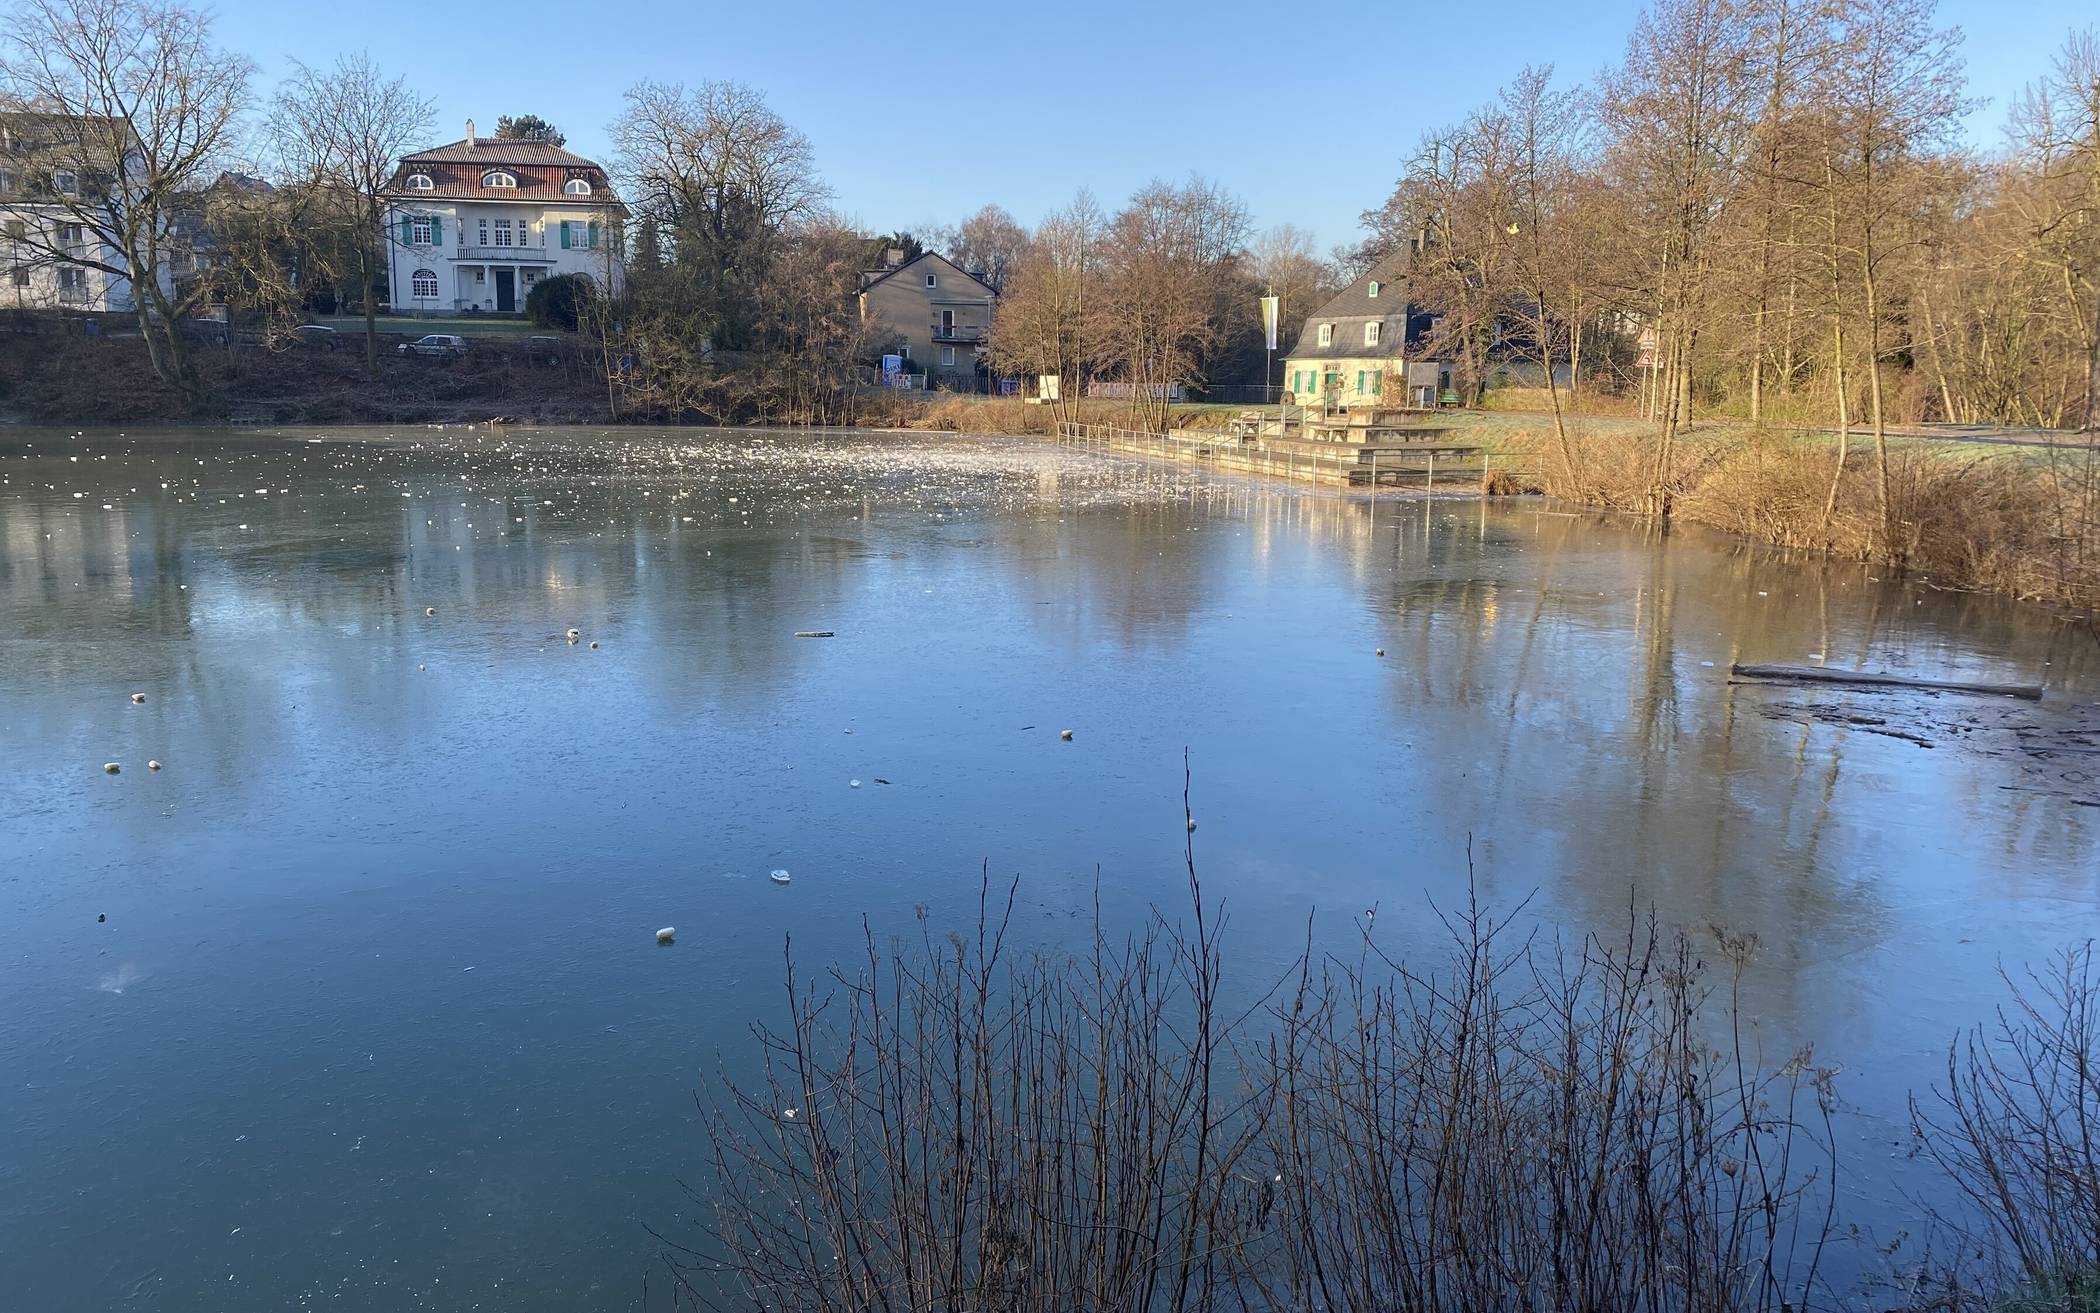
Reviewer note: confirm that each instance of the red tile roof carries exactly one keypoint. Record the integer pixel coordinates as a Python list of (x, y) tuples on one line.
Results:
[(455, 172)]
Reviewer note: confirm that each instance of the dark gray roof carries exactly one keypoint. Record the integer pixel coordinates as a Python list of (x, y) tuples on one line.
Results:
[(1354, 306)]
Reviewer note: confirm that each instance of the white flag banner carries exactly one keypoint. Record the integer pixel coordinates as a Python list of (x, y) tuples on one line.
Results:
[(1269, 308)]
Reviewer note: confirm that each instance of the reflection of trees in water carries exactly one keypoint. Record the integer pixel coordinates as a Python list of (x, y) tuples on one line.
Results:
[(1548, 669)]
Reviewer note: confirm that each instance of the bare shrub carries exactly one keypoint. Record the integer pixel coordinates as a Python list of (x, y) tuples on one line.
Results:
[(1542, 1126), (954, 1124), (2017, 1132)]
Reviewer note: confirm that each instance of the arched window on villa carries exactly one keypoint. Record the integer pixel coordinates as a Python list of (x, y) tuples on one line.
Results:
[(420, 182), (424, 284), (498, 178), (576, 187)]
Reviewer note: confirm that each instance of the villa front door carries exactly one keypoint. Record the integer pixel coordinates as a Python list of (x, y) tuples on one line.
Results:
[(506, 291)]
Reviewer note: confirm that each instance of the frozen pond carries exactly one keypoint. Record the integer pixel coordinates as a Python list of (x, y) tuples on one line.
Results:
[(377, 1018)]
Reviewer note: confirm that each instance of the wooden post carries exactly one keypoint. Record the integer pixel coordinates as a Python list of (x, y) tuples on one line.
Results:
[(1432, 472)]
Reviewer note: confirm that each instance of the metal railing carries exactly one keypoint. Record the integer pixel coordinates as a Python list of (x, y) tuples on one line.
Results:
[(958, 333), (1346, 465)]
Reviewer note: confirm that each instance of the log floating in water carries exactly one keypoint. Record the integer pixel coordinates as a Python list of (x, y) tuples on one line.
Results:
[(1864, 679)]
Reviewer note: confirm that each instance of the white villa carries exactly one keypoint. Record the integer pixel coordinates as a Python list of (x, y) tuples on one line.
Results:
[(472, 226)]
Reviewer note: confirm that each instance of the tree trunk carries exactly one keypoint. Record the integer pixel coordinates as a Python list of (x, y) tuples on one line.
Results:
[(1770, 186), (1837, 476), (365, 276), (2092, 371), (1939, 361), (1874, 404), (1757, 361), (165, 349)]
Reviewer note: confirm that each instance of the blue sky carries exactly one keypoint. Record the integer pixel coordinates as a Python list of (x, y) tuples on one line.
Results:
[(926, 120)]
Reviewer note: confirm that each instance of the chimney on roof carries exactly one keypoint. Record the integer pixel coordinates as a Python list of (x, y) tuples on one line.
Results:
[(470, 132)]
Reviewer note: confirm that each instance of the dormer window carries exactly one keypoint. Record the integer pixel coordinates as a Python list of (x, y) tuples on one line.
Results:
[(1374, 289), (576, 187), (420, 182), (498, 178), (65, 184), (1327, 335), (1371, 333)]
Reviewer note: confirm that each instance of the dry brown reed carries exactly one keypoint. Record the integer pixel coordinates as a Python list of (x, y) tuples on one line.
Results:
[(2022, 521)]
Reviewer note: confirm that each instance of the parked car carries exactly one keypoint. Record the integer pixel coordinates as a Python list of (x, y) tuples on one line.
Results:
[(318, 335), (546, 349), (435, 344)]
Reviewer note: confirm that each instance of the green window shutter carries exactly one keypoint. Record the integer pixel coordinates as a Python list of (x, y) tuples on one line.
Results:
[(594, 234), (408, 230), (565, 234), (437, 231)]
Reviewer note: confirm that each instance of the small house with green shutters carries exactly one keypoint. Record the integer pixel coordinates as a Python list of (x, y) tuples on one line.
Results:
[(472, 226), (1367, 347)]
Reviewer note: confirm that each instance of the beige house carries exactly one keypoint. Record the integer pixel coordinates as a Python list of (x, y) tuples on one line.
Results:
[(930, 311), (1366, 348)]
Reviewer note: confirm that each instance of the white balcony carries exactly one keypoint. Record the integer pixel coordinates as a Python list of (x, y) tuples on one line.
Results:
[(505, 254)]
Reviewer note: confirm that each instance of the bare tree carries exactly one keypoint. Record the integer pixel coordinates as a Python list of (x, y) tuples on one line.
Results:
[(341, 132), (1678, 111), (720, 176), (2056, 129), (1285, 265), (1544, 130), (262, 247), (810, 336), (989, 244), (1451, 206), (1163, 261), (1044, 325), (117, 112), (1894, 99)]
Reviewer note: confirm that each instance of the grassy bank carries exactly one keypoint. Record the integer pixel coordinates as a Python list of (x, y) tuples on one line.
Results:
[(2017, 520)]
